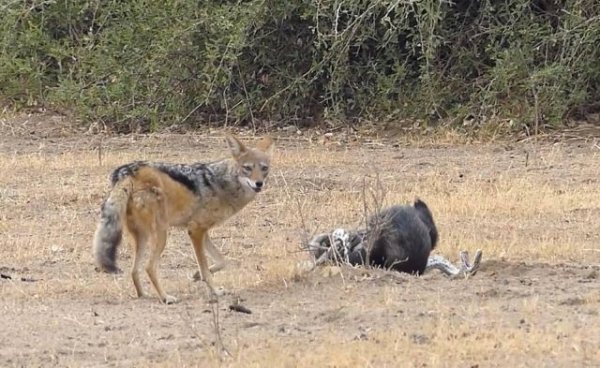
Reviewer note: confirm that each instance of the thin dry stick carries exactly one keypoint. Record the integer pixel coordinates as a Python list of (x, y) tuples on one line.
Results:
[(248, 101), (338, 260), (305, 237), (188, 323), (219, 343), (285, 184), (377, 197), (351, 29), (365, 217), (226, 108), (537, 112), (100, 150), (210, 89)]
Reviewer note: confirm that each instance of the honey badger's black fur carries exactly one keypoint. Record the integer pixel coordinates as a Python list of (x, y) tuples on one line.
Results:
[(402, 237), (399, 238)]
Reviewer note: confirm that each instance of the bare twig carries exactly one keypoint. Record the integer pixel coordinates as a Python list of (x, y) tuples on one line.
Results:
[(373, 227), (536, 111), (248, 100), (305, 237), (210, 89), (100, 144), (219, 343), (238, 307), (189, 323), (366, 218)]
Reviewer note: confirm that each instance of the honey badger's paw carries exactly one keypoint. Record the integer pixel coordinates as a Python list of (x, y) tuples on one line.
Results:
[(470, 269), (465, 270)]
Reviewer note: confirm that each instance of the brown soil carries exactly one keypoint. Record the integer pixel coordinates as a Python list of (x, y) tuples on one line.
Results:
[(532, 207)]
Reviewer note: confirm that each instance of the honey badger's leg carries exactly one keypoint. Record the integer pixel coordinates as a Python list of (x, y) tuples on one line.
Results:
[(437, 262), (440, 263), (471, 269), (340, 246), (320, 247)]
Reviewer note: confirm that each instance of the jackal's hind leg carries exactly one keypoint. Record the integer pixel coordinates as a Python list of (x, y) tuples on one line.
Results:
[(160, 240), (139, 245)]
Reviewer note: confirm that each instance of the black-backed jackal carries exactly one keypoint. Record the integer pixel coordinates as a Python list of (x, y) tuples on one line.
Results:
[(149, 198)]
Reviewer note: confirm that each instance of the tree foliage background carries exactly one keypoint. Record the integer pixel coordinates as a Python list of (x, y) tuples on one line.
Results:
[(153, 63)]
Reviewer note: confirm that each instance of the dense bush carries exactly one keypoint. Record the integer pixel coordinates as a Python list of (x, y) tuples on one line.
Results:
[(151, 63)]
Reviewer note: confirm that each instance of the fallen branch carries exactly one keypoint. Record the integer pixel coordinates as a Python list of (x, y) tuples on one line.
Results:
[(237, 307)]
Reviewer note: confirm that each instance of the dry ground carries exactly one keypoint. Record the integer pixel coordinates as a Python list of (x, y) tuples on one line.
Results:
[(533, 208)]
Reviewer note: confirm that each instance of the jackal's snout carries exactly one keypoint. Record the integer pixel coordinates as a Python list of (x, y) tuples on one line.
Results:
[(256, 186)]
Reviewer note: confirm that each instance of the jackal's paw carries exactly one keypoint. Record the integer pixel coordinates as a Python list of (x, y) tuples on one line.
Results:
[(197, 276), (217, 267), (108, 269), (220, 291), (214, 294), (212, 297), (168, 299)]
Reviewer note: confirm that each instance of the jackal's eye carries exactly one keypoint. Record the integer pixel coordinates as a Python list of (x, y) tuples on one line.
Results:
[(264, 168), (247, 168)]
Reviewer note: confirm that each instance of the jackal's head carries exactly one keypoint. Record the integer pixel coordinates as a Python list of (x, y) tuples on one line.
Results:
[(252, 163)]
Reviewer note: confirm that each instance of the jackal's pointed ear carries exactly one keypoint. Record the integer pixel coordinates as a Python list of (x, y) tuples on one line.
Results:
[(235, 146), (266, 145)]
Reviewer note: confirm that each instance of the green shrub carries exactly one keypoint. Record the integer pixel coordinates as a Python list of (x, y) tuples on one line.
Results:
[(149, 63)]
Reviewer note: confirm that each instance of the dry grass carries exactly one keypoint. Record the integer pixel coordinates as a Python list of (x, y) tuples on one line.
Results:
[(532, 208)]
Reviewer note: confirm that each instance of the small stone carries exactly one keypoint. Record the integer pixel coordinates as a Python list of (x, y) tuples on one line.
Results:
[(592, 275)]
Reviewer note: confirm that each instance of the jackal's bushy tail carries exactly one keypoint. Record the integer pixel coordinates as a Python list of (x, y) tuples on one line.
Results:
[(110, 229)]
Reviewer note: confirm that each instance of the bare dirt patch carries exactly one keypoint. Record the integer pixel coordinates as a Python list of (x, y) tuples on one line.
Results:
[(532, 208)]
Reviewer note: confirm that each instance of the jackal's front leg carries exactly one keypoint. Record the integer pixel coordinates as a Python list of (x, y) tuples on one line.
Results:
[(198, 236), (219, 261), (214, 253)]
